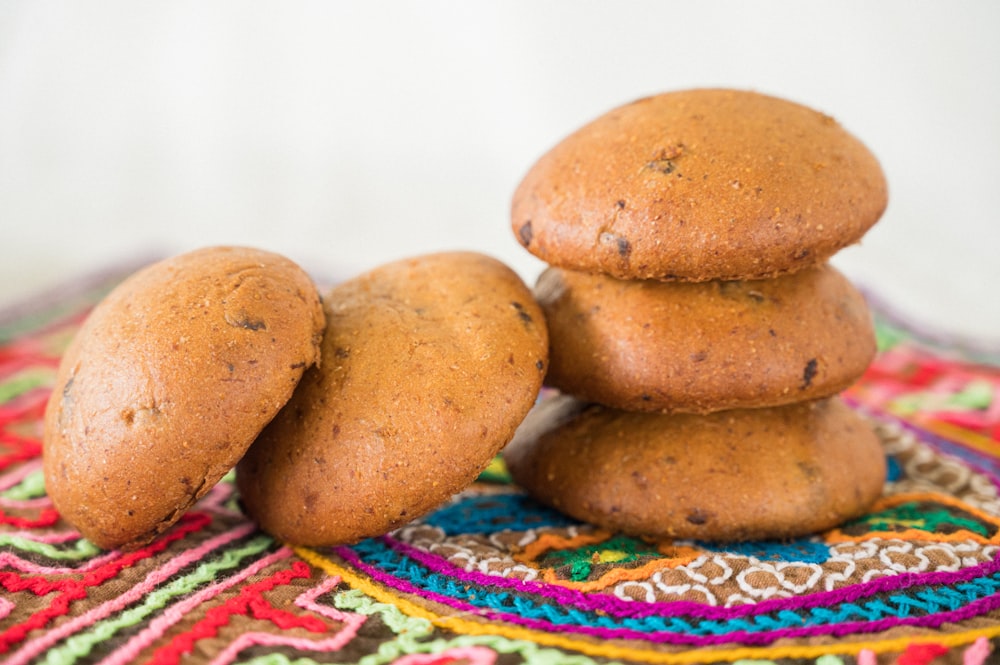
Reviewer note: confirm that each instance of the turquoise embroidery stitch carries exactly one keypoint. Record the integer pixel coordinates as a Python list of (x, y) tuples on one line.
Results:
[(805, 550), (919, 602), (495, 512), (894, 471)]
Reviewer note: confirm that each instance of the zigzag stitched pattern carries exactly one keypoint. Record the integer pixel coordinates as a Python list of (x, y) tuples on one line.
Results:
[(491, 576)]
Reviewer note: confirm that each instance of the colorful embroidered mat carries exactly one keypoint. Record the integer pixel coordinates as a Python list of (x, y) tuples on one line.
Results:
[(492, 577)]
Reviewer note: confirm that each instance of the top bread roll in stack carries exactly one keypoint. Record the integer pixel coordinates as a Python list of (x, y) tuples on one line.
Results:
[(699, 338)]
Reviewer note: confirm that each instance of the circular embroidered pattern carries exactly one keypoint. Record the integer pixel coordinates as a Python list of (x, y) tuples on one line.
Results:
[(492, 578), (925, 557)]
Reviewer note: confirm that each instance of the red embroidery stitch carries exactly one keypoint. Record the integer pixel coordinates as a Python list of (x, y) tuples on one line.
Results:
[(250, 601), (921, 654), (75, 589)]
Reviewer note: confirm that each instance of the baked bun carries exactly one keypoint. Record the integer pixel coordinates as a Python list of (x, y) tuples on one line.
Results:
[(167, 383), (429, 365), (699, 185), (707, 346), (747, 474)]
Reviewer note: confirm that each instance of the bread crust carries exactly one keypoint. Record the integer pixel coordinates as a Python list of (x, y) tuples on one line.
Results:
[(167, 383), (700, 185), (429, 365), (748, 474), (707, 346)]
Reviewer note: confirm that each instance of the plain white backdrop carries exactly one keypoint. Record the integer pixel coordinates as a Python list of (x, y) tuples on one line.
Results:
[(345, 135)]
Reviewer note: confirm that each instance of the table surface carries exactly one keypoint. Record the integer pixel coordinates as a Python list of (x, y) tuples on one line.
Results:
[(492, 577)]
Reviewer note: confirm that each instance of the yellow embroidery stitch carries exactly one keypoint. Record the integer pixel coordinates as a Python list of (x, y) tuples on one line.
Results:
[(607, 650)]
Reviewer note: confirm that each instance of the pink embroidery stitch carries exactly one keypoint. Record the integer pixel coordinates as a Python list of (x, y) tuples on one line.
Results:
[(471, 655), (171, 615), (977, 653), (31, 649), (867, 657), (5, 608)]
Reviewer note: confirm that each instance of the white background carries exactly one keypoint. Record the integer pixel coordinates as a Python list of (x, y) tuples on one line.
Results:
[(345, 135)]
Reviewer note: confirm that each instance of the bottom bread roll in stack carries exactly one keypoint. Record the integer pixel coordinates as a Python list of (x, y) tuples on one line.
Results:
[(741, 474), (699, 338)]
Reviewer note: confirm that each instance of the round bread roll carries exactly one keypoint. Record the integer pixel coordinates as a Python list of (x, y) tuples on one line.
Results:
[(429, 365), (698, 185), (708, 346), (748, 474), (167, 383)]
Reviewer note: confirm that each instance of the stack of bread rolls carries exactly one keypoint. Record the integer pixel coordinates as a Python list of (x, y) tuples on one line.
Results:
[(699, 338)]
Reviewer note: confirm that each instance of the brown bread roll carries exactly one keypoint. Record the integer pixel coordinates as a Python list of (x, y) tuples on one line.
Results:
[(746, 474), (429, 365), (698, 185), (707, 346), (168, 382)]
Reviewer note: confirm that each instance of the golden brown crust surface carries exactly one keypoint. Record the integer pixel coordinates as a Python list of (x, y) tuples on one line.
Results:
[(737, 475), (429, 365), (697, 185), (168, 382), (707, 346)]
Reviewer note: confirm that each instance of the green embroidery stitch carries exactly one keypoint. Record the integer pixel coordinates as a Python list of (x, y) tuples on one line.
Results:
[(31, 487), (278, 659), (35, 320), (975, 395), (581, 560), (531, 653), (81, 549), (829, 660), (914, 515), (412, 632), (409, 630), (496, 472), (25, 381), (81, 644), (887, 336)]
